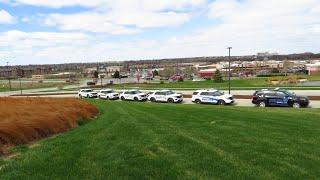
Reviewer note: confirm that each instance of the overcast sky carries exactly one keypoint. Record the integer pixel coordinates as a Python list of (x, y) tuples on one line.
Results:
[(63, 31)]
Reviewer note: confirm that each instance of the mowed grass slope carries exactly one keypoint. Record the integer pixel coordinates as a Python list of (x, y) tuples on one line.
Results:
[(160, 141)]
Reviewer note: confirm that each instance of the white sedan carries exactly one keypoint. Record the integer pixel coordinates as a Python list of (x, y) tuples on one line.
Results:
[(165, 96), (108, 94), (212, 96), (134, 95), (88, 93)]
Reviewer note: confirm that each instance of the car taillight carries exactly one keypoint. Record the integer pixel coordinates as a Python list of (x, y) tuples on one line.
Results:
[(254, 98)]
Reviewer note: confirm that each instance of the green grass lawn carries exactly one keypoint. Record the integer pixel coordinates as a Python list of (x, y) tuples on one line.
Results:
[(160, 141), (252, 83)]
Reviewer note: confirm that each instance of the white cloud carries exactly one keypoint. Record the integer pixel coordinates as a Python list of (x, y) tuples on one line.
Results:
[(221, 8), (92, 22), (6, 18), (57, 3), (147, 4), (118, 16), (250, 26), (285, 26)]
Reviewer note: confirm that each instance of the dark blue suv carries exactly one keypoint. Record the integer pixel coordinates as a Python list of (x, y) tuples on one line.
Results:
[(279, 97)]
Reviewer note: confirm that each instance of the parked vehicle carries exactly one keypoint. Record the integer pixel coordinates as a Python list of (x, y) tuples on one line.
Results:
[(279, 97), (212, 96), (91, 83), (165, 96), (88, 93), (162, 78), (135, 95), (108, 94), (176, 77)]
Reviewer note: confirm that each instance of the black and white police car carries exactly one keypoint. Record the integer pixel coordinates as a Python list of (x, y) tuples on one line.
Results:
[(278, 97), (165, 96), (212, 96), (134, 95), (108, 94), (88, 93)]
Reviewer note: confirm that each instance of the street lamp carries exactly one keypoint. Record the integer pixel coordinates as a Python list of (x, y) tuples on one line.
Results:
[(9, 75), (229, 48)]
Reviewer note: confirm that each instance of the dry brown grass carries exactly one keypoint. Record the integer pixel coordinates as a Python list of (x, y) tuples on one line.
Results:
[(27, 119)]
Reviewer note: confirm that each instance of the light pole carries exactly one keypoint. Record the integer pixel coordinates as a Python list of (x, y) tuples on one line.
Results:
[(9, 75), (20, 86), (229, 48)]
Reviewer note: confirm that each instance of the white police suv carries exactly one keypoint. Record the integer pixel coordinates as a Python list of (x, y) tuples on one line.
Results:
[(165, 96), (212, 96), (89, 93), (133, 94), (108, 94)]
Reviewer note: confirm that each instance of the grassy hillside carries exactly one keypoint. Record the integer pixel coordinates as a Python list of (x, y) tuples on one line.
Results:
[(143, 140)]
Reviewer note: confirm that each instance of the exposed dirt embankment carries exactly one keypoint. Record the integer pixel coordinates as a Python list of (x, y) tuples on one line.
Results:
[(27, 119)]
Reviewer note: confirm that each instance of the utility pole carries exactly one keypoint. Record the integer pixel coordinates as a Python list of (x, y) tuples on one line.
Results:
[(20, 86), (229, 48), (9, 76)]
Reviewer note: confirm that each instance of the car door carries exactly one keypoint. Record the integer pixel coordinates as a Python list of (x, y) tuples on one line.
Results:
[(157, 96), (272, 99), (205, 97), (215, 97), (127, 95), (282, 99)]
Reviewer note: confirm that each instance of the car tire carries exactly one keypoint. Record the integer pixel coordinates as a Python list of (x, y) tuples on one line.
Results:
[(135, 99), (152, 99), (107, 98), (262, 104), (87, 95), (197, 101), (170, 100), (296, 105), (122, 98), (221, 102)]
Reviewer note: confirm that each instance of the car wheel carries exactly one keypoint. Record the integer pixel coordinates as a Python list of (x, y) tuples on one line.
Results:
[(197, 101), (221, 102), (262, 104), (136, 99), (170, 100), (87, 95), (152, 99), (107, 97), (122, 98), (296, 105)]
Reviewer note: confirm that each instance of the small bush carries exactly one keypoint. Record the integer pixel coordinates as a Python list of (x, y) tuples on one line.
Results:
[(217, 78), (161, 82)]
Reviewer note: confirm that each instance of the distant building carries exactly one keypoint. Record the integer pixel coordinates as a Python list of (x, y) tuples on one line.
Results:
[(112, 69), (313, 68)]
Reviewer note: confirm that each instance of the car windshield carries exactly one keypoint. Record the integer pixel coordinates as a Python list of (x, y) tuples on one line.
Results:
[(107, 92), (136, 92), (218, 93), (89, 90), (169, 92), (288, 93)]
